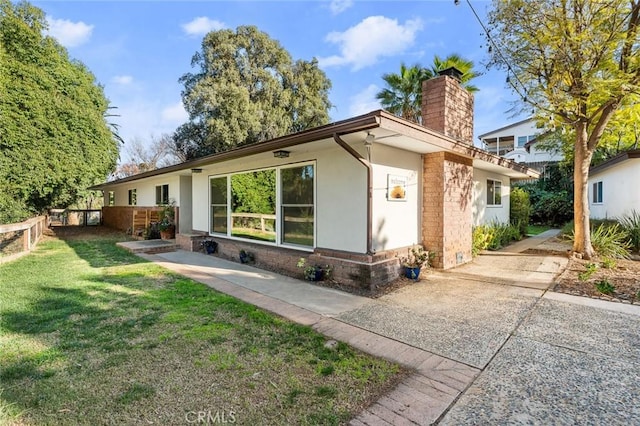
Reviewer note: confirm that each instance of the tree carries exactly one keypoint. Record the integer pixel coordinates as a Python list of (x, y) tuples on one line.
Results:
[(577, 63), (403, 94), (463, 65), (54, 141), (160, 152), (248, 90)]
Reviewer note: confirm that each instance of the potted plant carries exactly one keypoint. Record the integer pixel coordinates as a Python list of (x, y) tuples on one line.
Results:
[(246, 257), (209, 246), (313, 272), (414, 261), (167, 226)]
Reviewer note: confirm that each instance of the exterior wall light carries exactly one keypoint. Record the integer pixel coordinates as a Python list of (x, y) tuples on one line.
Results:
[(196, 170), (281, 154)]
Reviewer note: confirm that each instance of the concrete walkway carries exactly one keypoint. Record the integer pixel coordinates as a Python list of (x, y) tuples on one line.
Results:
[(488, 344)]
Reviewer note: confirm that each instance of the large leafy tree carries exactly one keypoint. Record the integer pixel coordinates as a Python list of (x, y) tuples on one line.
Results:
[(247, 89), (402, 95), (577, 63), (54, 140)]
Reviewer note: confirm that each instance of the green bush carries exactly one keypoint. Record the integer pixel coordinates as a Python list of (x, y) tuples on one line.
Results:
[(605, 287), (520, 209), (608, 239), (631, 225), (493, 236), (551, 196)]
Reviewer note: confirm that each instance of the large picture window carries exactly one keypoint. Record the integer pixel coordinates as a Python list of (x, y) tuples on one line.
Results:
[(219, 205), (494, 192), (253, 205), (297, 205), (271, 205)]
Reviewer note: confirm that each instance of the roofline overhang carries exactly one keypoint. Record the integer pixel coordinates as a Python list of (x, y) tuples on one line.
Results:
[(624, 156), (508, 126), (374, 119), (355, 124)]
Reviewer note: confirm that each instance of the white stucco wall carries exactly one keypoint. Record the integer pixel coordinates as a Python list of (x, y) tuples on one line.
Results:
[(482, 213), (396, 223), (341, 194), (145, 191), (620, 192)]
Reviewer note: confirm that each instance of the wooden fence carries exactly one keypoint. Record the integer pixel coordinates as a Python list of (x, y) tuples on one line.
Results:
[(18, 239)]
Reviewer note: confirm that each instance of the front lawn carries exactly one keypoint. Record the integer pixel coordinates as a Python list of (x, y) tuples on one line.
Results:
[(90, 334)]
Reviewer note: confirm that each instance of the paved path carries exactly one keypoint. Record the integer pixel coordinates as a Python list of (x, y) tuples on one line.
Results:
[(485, 349)]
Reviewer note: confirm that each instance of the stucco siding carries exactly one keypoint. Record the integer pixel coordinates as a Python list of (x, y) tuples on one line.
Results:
[(396, 223), (620, 193), (340, 199), (145, 191), (483, 213)]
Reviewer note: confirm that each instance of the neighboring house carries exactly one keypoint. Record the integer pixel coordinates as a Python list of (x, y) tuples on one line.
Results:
[(613, 186), (354, 194), (518, 142)]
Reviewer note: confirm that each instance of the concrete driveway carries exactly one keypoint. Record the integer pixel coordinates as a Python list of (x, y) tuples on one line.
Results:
[(508, 351)]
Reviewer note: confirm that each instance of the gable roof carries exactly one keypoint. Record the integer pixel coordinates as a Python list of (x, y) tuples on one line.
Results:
[(624, 156), (387, 128), (484, 135)]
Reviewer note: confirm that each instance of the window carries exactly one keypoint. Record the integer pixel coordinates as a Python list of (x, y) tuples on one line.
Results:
[(522, 140), (133, 199), (219, 205), (272, 205), (253, 205), (597, 193), (112, 198), (162, 194), (297, 216), (494, 192)]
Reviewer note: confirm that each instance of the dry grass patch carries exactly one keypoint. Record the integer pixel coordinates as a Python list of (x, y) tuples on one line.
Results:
[(90, 334)]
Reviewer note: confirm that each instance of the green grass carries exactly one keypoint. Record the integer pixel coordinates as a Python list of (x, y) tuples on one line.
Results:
[(90, 334), (537, 229)]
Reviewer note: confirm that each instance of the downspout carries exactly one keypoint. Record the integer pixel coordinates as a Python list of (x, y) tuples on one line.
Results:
[(355, 154)]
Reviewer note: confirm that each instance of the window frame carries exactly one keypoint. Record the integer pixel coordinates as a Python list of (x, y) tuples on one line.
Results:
[(278, 207), (111, 198), (160, 201), (133, 197), (597, 190), (492, 183)]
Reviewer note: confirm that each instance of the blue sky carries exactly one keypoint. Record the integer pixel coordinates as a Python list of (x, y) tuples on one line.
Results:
[(139, 49)]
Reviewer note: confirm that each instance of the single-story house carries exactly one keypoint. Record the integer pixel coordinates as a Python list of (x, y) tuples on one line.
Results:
[(354, 194), (612, 186)]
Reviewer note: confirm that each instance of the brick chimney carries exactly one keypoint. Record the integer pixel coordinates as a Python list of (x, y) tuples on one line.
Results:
[(447, 107)]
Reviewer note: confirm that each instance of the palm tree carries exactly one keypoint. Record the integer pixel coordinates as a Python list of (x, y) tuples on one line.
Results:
[(463, 65), (403, 95)]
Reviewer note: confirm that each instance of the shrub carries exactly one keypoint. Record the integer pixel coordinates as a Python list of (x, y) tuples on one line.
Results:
[(493, 237), (631, 225), (605, 287), (520, 209), (608, 239), (590, 268)]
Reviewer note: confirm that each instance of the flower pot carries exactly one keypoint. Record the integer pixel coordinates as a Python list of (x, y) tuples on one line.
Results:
[(210, 249), (412, 273)]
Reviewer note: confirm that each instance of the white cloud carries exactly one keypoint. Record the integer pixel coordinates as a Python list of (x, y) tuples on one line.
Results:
[(375, 37), (339, 6), (69, 34), (175, 113), (202, 25), (123, 80), (364, 101)]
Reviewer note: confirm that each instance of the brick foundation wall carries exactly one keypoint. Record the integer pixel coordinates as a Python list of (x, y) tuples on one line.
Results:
[(447, 107), (447, 208), (361, 271)]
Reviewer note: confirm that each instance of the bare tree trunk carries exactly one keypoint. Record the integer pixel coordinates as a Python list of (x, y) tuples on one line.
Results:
[(582, 161)]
